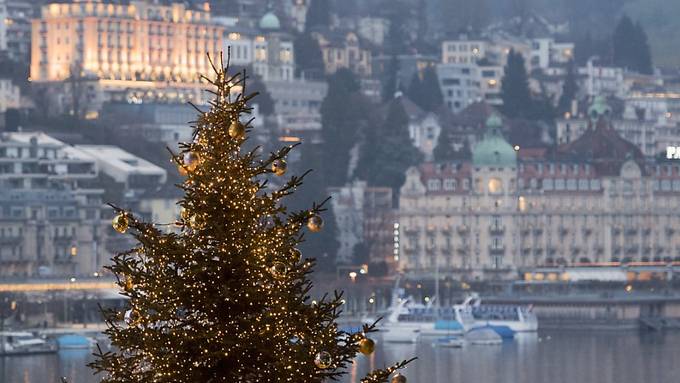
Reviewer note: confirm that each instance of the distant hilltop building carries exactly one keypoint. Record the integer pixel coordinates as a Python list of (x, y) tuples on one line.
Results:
[(595, 199), (135, 51)]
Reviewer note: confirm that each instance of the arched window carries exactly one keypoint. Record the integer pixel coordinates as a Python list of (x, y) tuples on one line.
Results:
[(495, 186)]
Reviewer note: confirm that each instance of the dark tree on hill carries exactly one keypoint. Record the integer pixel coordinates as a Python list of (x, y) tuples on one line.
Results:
[(432, 94), (264, 101), (424, 90), (569, 88), (318, 14), (324, 244), (344, 112), (444, 150), (390, 81), (630, 47), (397, 39), (389, 152), (515, 87), (308, 56)]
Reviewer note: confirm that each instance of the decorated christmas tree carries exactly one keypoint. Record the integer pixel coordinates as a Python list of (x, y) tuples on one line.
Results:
[(226, 296)]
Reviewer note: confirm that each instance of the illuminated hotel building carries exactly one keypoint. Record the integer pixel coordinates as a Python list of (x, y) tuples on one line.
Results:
[(138, 51), (597, 199)]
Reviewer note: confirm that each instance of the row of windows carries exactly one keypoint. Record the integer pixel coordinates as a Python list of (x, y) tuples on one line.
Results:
[(551, 168), (447, 184)]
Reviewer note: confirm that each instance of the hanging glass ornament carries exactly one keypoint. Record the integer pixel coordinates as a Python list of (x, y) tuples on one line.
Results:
[(279, 167), (323, 359), (197, 222), (237, 130), (191, 161), (315, 223), (279, 269), (366, 346), (120, 223), (184, 214), (131, 316), (398, 378), (128, 284)]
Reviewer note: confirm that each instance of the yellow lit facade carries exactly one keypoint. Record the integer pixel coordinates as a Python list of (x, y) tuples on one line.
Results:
[(157, 50)]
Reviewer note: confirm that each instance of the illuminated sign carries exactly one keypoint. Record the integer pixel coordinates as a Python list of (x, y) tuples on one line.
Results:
[(673, 152)]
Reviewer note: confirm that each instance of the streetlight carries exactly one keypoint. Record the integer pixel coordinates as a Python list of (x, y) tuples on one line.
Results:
[(353, 276)]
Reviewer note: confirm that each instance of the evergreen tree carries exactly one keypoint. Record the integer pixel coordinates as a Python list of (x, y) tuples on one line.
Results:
[(389, 152), (225, 298), (415, 88), (432, 97), (630, 47), (390, 79), (397, 39), (444, 150), (308, 56), (323, 244), (343, 113), (569, 88), (318, 15), (515, 87), (644, 54)]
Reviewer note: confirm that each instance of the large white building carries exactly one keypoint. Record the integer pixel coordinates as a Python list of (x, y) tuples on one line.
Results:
[(139, 51), (596, 199), (460, 85)]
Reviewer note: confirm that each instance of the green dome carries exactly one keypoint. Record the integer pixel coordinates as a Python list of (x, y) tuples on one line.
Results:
[(270, 21), (599, 108), (493, 150)]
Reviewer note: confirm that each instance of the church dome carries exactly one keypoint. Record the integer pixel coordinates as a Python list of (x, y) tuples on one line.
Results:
[(494, 150), (270, 22)]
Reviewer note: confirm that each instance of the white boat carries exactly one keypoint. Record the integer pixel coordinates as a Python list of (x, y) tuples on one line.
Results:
[(483, 337), (19, 343), (517, 318), (406, 321), (449, 342)]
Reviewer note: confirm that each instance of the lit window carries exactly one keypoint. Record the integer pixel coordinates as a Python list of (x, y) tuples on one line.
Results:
[(495, 186)]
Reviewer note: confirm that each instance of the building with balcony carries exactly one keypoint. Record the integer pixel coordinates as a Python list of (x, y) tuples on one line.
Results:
[(137, 51), (17, 28), (596, 199), (10, 95), (50, 208)]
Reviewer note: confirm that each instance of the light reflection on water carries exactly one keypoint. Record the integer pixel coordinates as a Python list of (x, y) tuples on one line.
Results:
[(551, 357)]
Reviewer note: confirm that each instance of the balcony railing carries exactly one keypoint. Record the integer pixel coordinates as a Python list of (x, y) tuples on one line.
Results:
[(497, 229)]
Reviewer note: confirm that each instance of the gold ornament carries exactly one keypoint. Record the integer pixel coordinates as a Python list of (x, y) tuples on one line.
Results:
[(128, 284), (197, 222), (279, 167), (366, 346), (315, 223), (237, 130), (323, 359), (398, 378), (279, 269), (191, 161), (295, 255), (120, 223)]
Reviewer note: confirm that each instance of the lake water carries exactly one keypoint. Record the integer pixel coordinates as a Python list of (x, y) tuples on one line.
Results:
[(549, 357)]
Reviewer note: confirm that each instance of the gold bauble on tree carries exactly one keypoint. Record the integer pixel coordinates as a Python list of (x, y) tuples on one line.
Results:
[(120, 223), (315, 223), (398, 378), (323, 359), (279, 270), (131, 316), (366, 346), (184, 214), (237, 130), (128, 284), (197, 222), (191, 161), (279, 167)]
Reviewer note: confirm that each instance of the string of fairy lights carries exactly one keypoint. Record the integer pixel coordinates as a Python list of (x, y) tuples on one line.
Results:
[(226, 296)]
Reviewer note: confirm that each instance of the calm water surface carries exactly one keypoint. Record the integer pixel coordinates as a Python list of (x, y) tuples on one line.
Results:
[(550, 357)]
